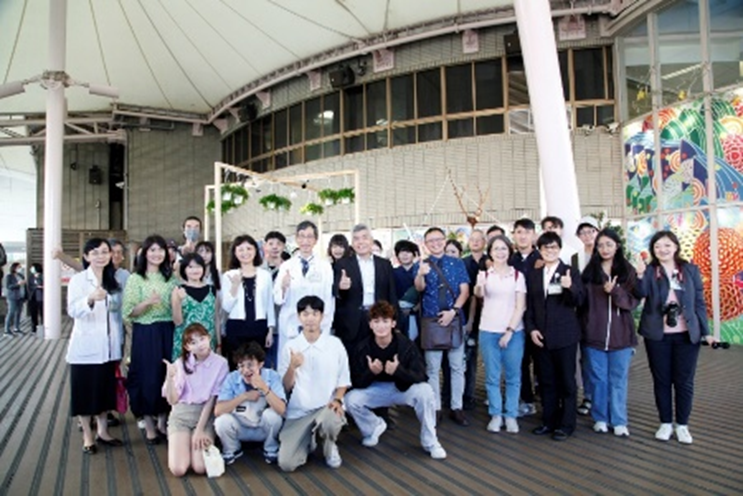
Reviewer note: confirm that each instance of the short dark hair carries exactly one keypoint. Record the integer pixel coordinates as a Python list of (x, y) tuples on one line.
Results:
[(245, 238), (249, 350), (432, 230), (500, 237), (311, 301), (456, 244), (275, 235), (555, 221), (549, 237), (307, 224), (379, 244), (494, 228), (186, 260), (524, 223), (405, 245), (116, 242), (192, 217), (382, 310)]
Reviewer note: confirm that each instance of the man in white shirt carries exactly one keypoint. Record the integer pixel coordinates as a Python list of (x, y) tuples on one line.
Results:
[(302, 275), (315, 372)]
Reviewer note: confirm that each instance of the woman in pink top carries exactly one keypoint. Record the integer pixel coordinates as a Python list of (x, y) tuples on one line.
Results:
[(503, 290), (191, 386)]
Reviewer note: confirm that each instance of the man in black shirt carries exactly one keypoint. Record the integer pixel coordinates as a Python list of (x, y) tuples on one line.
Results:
[(388, 370)]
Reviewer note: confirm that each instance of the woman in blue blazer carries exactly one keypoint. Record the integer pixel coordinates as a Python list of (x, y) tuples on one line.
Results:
[(673, 323)]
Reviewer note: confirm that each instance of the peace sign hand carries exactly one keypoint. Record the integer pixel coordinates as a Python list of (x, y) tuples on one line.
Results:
[(609, 285)]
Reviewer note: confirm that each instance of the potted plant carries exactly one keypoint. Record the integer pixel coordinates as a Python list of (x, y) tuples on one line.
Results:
[(328, 196), (312, 209), (346, 195), (275, 202), (233, 195)]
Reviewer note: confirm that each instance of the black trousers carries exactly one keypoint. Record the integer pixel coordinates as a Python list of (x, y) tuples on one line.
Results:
[(673, 362), (527, 388), (556, 374), (35, 309)]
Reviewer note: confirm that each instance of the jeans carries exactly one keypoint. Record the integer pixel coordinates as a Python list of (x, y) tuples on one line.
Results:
[(456, 369), (673, 362), (585, 373), (360, 403), (609, 372), (231, 430), (13, 319), (508, 360)]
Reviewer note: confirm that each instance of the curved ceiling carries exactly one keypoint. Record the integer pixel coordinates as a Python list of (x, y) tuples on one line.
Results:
[(190, 55)]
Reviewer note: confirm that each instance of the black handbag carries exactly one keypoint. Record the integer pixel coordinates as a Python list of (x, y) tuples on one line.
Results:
[(434, 336)]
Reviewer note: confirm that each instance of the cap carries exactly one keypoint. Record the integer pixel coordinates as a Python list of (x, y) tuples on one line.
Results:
[(587, 221), (172, 243)]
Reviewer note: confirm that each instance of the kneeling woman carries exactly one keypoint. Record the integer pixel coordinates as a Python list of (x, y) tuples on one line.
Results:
[(191, 386), (95, 344)]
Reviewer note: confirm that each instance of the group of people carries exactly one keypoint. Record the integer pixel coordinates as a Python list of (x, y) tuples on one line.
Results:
[(19, 290), (280, 349)]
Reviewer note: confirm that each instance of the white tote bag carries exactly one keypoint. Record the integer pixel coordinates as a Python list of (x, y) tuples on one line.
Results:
[(213, 462)]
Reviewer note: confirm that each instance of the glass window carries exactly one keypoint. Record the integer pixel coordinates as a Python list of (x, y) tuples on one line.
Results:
[(376, 104), (428, 87), (726, 25), (225, 147), (403, 136), (331, 116), (565, 74), (354, 144), (609, 73), (282, 160), (313, 119), (518, 92), (280, 129), (295, 156), (637, 61), (489, 84), (331, 148), (588, 67), (584, 116), (267, 133), (605, 115), (459, 89), (312, 152), (681, 17), (255, 139), (376, 139), (244, 138), (491, 124), (295, 124), (460, 128), (238, 149), (429, 132), (353, 99), (401, 89)]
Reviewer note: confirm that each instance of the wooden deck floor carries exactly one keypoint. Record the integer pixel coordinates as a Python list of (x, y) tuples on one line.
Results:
[(40, 447)]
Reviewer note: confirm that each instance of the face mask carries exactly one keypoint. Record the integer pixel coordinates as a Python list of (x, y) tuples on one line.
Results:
[(192, 235), (33, 271)]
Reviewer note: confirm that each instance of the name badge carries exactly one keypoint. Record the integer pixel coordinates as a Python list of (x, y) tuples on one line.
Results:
[(554, 289), (313, 277)]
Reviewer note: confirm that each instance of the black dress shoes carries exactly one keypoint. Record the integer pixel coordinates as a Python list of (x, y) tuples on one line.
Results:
[(113, 442), (459, 418), (541, 430), (560, 435)]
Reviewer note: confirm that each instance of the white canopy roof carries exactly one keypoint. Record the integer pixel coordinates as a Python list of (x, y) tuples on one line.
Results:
[(193, 55)]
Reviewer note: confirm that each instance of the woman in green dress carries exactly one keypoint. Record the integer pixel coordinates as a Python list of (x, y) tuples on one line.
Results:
[(194, 301)]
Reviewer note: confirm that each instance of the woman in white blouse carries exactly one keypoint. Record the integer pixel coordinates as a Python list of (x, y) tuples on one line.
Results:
[(93, 299), (247, 297)]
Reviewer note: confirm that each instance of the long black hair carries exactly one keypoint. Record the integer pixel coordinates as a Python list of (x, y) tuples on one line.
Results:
[(680, 261), (166, 269), (108, 281), (211, 266), (620, 266)]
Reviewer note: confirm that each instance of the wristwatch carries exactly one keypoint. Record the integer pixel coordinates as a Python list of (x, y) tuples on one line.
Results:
[(339, 400)]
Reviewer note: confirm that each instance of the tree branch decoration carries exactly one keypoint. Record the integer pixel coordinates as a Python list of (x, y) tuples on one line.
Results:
[(312, 209), (472, 218), (233, 196), (275, 202)]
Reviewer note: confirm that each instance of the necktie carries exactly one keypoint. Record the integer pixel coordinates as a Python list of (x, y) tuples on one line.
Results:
[(305, 266)]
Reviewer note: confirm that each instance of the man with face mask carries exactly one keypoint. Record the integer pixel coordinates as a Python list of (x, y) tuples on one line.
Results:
[(191, 233)]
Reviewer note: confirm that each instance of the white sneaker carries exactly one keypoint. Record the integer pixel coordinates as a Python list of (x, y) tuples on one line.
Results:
[(495, 423), (334, 458), (373, 439), (437, 451), (621, 431), (512, 425), (683, 435), (141, 424), (600, 427), (665, 432)]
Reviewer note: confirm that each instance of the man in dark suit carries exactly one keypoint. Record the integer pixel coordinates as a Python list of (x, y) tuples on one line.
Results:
[(360, 280), (554, 291)]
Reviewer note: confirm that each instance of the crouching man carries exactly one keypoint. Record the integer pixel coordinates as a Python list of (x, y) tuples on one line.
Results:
[(314, 367), (388, 370), (250, 405)]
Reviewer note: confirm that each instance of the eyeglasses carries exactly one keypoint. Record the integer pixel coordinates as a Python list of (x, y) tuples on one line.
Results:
[(435, 240)]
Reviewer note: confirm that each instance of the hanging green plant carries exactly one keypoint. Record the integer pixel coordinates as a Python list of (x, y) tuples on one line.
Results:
[(275, 202), (328, 196), (312, 209), (233, 196), (345, 195)]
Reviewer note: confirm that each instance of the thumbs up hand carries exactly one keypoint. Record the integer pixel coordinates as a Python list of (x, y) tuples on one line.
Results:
[(345, 281), (286, 281), (566, 281)]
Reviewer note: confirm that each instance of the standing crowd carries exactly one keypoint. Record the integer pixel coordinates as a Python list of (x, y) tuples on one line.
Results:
[(281, 349)]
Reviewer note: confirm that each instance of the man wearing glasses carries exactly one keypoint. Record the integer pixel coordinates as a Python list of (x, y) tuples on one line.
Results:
[(250, 405), (443, 299)]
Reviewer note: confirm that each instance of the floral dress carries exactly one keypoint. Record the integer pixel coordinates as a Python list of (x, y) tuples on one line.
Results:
[(198, 306)]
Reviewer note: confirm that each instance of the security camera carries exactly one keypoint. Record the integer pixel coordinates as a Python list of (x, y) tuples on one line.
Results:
[(613, 127)]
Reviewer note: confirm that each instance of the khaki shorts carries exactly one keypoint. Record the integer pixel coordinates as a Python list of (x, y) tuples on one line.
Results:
[(184, 418)]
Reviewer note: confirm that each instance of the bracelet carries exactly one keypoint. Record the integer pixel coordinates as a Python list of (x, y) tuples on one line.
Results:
[(509, 329), (339, 400), (268, 391)]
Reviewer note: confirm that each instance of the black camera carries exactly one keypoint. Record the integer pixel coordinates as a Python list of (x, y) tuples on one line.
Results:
[(672, 311)]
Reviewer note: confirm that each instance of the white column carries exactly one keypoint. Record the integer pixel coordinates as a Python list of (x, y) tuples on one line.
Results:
[(55, 114), (218, 214), (536, 34)]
